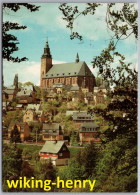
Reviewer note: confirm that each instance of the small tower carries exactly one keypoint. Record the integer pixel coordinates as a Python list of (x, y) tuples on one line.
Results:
[(77, 58), (15, 83), (46, 63)]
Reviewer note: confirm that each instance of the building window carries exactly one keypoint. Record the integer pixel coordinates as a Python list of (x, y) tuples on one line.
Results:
[(46, 136), (60, 154), (64, 149)]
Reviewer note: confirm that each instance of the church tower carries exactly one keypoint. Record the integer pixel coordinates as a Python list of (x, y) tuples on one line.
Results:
[(46, 62)]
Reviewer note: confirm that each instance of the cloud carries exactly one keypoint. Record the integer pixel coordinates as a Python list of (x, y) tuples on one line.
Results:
[(27, 71)]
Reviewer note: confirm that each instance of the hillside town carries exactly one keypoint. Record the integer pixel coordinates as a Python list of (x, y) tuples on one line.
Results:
[(55, 114)]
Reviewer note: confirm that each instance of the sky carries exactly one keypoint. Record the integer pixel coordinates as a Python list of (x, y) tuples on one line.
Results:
[(48, 22)]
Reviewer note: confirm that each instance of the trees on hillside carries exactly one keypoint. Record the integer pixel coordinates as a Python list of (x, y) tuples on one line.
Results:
[(116, 169)]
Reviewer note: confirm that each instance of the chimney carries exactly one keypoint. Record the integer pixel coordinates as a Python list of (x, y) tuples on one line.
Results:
[(55, 141)]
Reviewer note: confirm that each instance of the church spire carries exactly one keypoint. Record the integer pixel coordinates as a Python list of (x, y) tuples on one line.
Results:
[(47, 52), (77, 58)]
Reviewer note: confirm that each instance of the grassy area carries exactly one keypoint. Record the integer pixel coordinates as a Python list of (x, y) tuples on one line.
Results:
[(31, 148), (73, 151)]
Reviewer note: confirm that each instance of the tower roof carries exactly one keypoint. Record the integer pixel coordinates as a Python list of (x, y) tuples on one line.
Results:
[(47, 52), (77, 58)]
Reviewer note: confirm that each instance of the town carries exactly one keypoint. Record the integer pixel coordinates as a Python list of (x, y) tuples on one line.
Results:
[(54, 114)]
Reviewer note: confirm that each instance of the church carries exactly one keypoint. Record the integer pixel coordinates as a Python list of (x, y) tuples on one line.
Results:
[(75, 74)]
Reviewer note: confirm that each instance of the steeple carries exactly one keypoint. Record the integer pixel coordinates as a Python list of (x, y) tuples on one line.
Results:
[(47, 50), (77, 58)]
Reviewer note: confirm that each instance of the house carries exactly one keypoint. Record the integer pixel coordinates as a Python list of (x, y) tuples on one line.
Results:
[(99, 98), (74, 73), (89, 132), (81, 117), (56, 151), (58, 87), (19, 107), (23, 129), (9, 93), (52, 132), (89, 98), (27, 95), (5, 106), (4, 95), (100, 94), (34, 107), (31, 115)]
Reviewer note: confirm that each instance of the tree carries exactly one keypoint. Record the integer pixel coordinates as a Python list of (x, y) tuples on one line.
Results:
[(10, 41), (15, 135), (28, 83), (11, 164), (116, 169), (16, 81), (98, 81), (51, 106), (87, 157)]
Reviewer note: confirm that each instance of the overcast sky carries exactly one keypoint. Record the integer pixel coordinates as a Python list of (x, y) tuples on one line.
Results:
[(48, 22)]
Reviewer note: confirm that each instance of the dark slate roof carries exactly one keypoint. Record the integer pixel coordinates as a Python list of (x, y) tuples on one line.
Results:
[(82, 116), (69, 69), (89, 127), (21, 124), (52, 129), (51, 126), (52, 146)]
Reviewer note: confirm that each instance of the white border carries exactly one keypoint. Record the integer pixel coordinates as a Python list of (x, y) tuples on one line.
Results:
[(66, 1)]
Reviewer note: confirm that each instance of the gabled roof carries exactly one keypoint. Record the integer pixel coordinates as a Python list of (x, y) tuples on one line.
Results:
[(11, 87), (52, 126), (74, 87), (19, 106), (34, 106), (24, 93), (69, 69), (89, 126), (21, 124), (52, 146), (84, 115), (9, 91)]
